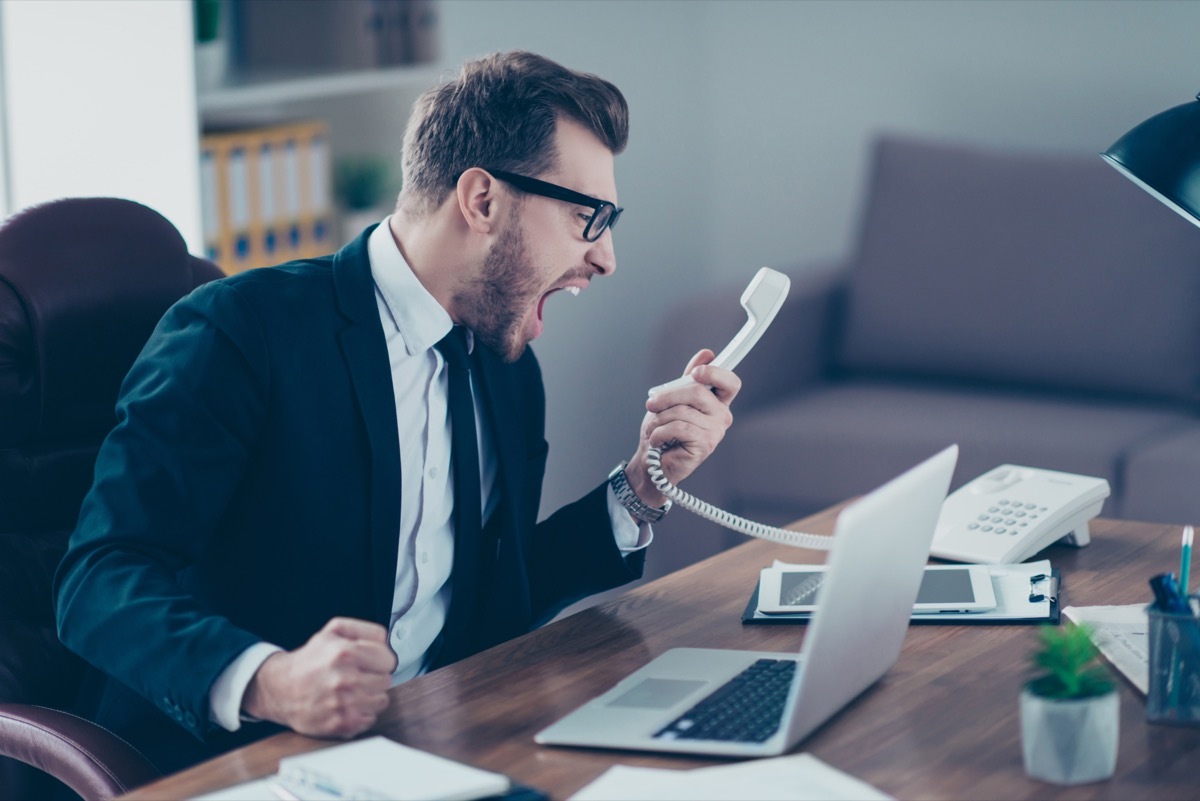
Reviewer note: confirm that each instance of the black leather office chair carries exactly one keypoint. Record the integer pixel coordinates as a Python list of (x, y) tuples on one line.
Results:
[(83, 281)]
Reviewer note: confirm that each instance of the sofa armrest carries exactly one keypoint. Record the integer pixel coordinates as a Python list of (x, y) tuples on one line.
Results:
[(795, 351)]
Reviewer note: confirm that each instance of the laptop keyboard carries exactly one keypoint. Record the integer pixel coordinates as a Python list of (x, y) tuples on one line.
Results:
[(748, 708)]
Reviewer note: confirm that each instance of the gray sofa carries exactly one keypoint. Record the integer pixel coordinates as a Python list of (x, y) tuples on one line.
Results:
[(1037, 309)]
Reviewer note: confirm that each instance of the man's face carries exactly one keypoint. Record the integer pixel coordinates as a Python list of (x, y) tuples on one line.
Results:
[(540, 250)]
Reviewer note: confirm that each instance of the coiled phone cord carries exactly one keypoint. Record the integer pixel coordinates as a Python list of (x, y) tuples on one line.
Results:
[(797, 539)]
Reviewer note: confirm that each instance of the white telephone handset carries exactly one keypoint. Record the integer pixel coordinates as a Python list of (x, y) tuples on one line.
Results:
[(762, 300), (1010, 513)]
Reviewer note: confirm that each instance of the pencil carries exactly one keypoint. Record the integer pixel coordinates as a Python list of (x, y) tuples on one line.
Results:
[(1185, 562)]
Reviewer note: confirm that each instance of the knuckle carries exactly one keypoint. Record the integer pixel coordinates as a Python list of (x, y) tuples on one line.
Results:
[(342, 686)]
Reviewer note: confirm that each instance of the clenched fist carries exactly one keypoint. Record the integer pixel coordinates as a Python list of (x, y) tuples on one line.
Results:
[(335, 685)]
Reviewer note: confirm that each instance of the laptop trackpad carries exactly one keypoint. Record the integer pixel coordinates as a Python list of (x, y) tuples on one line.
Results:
[(658, 693)]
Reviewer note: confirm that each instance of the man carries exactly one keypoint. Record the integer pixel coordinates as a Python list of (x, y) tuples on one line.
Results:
[(273, 537)]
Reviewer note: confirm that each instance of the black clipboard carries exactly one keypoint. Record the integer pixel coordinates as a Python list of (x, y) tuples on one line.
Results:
[(751, 617)]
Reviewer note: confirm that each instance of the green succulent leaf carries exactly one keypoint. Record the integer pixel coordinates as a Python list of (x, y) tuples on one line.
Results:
[(1069, 664)]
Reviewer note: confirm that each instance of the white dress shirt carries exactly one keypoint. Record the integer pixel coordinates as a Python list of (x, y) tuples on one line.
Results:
[(413, 322)]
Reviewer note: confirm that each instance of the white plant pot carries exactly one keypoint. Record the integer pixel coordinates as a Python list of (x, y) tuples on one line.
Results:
[(212, 64), (1071, 741), (353, 222)]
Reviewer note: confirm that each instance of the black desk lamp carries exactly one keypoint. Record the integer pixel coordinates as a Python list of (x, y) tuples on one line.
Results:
[(1162, 156)]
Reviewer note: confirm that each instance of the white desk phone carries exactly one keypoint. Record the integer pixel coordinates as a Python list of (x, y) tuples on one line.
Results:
[(1004, 516)]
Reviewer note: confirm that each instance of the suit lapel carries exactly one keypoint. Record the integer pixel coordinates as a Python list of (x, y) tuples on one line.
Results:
[(365, 351)]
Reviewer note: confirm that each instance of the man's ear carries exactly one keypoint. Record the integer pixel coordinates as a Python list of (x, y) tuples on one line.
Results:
[(479, 200)]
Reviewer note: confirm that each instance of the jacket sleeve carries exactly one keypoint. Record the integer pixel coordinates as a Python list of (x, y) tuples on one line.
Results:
[(575, 555), (186, 421)]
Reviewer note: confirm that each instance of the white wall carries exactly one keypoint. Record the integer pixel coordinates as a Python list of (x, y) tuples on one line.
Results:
[(98, 101), (750, 129)]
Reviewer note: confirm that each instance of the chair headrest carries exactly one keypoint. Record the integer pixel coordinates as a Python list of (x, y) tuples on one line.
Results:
[(83, 282)]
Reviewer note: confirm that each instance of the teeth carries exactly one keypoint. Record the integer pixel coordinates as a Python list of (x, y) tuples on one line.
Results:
[(574, 290)]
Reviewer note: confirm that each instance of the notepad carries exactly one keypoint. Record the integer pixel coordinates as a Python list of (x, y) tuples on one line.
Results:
[(374, 769), (379, 768)]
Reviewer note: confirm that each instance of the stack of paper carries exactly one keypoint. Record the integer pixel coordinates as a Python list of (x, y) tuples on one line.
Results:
[(374, 769), (799, 777), (1122, 635)]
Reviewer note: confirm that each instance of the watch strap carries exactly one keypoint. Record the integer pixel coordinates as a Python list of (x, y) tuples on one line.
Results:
[(630, 500)]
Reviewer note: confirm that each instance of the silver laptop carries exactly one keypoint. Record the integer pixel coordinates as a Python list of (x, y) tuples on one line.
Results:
[(693, 700)]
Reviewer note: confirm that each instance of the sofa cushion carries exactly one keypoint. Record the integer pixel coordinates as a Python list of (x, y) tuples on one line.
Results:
[(1042, 270), (1162, 478), (810, 451)]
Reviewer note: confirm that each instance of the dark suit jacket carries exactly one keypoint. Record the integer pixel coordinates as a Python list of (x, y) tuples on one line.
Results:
[(250, 491)]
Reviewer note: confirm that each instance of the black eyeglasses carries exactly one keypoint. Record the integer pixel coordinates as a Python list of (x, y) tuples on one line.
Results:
[(604, 216)]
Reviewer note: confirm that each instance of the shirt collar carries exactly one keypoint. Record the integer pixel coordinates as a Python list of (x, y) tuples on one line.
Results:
[(419, 318)]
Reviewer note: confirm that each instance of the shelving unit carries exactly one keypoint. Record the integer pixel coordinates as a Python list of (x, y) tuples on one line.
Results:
[(255, 93), (365, 112), (140, 113)]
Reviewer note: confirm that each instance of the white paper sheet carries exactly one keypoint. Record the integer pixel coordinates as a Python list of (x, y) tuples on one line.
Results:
[(373, 768), (799, 777), (257, 790), (1121, 634)]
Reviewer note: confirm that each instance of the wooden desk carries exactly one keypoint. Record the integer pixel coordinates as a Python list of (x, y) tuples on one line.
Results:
[(942, 724)]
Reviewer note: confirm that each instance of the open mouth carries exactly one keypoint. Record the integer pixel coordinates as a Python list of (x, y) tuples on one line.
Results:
[(573, 290)]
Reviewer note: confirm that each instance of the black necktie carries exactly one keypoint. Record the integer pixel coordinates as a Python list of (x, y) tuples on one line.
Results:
[(468, 515)]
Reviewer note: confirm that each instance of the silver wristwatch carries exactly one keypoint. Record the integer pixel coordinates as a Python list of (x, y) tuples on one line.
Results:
[(630, 500)]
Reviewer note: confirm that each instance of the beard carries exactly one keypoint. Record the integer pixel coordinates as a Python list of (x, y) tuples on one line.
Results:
[(495, 306)]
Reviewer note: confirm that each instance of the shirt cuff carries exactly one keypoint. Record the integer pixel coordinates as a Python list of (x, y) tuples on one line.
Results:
[(225, 697), (630, 536)]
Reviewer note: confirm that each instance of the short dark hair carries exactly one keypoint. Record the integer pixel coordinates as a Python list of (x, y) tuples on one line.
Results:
[(501, 112)]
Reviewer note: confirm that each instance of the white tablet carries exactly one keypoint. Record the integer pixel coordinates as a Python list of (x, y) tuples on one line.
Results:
[(945, 588)]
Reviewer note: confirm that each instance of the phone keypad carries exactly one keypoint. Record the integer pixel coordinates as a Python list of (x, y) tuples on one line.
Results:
[(1002, 518)]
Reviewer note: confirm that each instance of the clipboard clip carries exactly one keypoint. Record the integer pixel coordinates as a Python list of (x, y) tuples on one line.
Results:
[(1036, 594)]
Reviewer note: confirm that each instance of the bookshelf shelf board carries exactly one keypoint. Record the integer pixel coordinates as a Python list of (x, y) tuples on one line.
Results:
[(252, 93)]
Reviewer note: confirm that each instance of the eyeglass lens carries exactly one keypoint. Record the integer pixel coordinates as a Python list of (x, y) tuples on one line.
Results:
[(604, 217), (600, 220)]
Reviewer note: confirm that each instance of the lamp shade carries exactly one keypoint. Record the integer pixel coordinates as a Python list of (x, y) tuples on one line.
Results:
[(1162, 155)]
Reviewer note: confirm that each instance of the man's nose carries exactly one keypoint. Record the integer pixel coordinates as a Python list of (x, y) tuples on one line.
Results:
[(601, 256)]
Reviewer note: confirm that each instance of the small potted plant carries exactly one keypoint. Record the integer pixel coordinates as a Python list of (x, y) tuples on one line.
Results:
[(1070, 718), (361, 184), (211, 53)]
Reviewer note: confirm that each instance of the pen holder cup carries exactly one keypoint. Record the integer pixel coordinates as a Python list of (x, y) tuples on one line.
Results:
[(1174, 691)]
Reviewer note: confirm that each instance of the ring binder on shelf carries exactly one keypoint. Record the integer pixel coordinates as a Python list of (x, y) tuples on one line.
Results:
[(266, 194)]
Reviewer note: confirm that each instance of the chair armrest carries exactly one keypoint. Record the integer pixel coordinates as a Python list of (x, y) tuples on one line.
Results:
[(795, 351), (89, 759)]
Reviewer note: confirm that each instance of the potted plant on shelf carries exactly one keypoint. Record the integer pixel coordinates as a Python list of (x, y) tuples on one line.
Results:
[(212, 57), (361, 184), (1070, 711)]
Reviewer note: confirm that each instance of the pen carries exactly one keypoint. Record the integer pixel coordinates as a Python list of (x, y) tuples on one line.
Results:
[(1166, 594), (1185, 560)]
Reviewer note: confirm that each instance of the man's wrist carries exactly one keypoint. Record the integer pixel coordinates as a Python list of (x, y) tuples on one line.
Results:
[(256, 700), (228, 692), (637, 494)]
